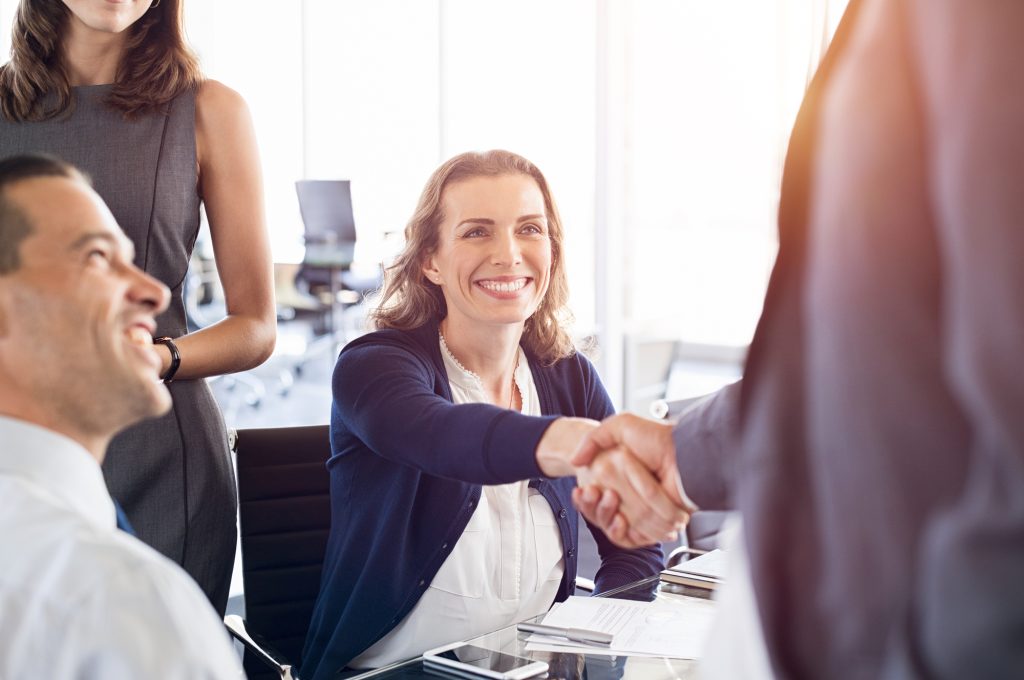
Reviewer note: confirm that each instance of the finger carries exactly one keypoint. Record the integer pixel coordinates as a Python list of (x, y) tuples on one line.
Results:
[(672, 483), (586, 503), (665, 508), (609, 475), (588, 507), (619, 471), (592, 444), (636, 504), (578, 500), (591, 494), (585, 453), (607, 435), (618, 533), (607, 507), (634, 537), (597, 506)]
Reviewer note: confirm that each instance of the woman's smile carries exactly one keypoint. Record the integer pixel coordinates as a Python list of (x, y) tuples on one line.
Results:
[(504, 287)]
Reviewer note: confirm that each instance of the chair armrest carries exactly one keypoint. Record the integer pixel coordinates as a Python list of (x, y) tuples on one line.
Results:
[(264, 652), (681, 554), (585, 584)]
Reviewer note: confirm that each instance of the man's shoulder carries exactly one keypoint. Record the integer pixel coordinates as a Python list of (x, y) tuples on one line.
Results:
[(68, 557), (83, 591), (68, 561)]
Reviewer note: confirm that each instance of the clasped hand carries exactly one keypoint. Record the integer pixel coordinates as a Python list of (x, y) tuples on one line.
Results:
[(628, 480)]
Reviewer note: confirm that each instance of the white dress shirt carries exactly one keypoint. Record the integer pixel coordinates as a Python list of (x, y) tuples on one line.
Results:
[(79, 598), (505, 568), (735, 647)]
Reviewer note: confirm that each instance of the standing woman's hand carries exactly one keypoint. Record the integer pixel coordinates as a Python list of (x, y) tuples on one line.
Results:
[(231, 187)]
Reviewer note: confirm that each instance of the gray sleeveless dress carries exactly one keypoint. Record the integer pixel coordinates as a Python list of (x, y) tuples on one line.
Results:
[(172, 475)]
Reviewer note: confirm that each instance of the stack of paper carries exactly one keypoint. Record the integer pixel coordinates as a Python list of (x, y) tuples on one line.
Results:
[(674, 628), (704, 571)]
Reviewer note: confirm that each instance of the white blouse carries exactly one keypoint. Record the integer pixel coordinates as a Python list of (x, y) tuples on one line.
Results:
[(507, 565)]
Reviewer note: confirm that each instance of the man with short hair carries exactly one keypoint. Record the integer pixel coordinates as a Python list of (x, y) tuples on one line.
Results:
[(78, 598)]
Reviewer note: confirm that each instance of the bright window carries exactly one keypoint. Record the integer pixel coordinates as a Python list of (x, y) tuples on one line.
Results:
[(661, 125)]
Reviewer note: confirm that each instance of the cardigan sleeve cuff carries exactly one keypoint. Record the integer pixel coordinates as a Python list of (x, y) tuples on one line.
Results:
[(510, 449)]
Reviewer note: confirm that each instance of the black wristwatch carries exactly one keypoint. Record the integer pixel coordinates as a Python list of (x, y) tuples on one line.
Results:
[(175, 357)]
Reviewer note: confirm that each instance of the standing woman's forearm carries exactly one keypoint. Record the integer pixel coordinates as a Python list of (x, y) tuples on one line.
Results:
[(231, 187)]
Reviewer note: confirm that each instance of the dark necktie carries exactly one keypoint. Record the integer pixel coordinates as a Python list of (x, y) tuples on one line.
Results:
[(122, 519)]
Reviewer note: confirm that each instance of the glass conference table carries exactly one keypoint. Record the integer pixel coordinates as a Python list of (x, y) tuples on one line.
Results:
[(565, 666)]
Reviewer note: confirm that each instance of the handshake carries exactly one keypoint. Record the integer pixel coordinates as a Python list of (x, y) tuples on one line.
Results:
[(629, 483)]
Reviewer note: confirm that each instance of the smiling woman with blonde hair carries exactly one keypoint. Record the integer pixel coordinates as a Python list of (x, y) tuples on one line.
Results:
[(447, 424), (410, 299)]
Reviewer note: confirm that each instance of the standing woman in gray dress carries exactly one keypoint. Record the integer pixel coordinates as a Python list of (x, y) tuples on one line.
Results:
[(112, 87)]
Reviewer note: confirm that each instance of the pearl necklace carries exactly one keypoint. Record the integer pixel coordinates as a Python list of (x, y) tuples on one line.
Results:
[(455, 360)]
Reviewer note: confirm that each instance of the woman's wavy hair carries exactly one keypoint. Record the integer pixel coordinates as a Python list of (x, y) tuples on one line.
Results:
[(410, 300), (156, 67)]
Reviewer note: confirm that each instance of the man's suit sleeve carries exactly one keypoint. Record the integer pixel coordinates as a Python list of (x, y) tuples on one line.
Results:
[(705, 438), (967, 615)]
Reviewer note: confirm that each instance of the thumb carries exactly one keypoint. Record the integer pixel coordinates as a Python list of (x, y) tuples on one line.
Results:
[(607, 435), (672, 484), (586, 451)]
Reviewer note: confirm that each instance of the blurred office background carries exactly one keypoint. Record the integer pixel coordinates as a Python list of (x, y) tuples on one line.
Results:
[(660, 124)]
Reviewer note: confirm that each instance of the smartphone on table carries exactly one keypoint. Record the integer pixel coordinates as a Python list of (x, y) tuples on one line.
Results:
[(477, 662)]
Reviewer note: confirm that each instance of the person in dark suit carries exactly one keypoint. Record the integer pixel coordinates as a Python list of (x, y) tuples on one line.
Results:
[(875, 446)]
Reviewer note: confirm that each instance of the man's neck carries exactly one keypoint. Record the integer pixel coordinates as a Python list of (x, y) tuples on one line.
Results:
[(95, 444)]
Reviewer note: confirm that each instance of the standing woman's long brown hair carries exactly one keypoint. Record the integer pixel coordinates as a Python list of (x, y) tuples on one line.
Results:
[(157, 64), (111, 87)]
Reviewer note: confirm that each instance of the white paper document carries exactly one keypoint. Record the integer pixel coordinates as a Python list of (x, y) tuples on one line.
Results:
[(675, 627), (714, 564)]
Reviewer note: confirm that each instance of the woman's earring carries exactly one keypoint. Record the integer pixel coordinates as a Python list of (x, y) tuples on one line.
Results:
[(155, 4)]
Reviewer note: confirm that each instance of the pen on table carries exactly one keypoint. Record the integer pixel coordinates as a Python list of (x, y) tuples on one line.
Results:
[(587, 637)]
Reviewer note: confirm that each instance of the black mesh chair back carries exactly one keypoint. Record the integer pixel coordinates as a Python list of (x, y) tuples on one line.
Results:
[(284, 513), (329, 228), (326, 208)]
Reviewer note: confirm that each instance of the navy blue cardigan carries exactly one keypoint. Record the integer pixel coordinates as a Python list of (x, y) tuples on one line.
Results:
[(406, 474)]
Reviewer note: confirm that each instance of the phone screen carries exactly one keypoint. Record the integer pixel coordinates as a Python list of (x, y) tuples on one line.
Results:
[(478, 657)]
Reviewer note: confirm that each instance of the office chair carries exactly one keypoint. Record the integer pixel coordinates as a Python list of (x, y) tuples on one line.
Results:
[(329, 233), (284, 519)]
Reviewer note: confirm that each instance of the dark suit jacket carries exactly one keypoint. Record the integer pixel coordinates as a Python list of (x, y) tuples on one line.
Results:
[(876, 444)]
